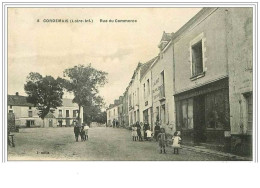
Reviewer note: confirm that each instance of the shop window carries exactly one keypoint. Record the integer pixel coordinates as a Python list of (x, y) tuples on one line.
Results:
[(186, 114), (197, 59), (249, 109), (217, 111)]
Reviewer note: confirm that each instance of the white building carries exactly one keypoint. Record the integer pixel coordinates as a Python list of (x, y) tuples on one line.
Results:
[(26, 114)]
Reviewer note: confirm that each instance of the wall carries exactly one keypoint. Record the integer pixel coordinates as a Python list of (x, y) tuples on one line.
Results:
[(211, 28), (240, 58), (165, 63), (146, 99)]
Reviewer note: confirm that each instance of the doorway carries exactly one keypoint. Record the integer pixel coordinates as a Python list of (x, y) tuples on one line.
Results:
[(199, 119)]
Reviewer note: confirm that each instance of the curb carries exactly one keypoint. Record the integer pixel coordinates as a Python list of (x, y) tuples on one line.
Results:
[(217, 153)]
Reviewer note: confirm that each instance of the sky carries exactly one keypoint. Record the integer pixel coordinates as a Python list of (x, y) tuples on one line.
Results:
[(116, 48)]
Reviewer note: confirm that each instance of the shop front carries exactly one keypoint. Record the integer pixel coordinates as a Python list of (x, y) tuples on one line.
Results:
[(202, 115)]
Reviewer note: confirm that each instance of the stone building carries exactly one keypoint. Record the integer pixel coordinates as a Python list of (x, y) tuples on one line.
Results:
[(114, 112), (146, 104), (201, 82), (162, 84), (207, 67), (26, 114), (239, 24)]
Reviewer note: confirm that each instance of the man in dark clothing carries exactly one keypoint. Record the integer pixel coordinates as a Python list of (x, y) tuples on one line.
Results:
[(76, 132), (156, 130), (114, 123), (146, 127)]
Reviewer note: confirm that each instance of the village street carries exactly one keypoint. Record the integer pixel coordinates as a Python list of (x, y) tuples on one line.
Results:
[(103, 144)]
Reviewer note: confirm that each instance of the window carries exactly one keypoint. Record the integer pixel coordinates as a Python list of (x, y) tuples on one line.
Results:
[(11, 111), (60, 113), (217, 109), (249, 108), (11, 107), (197, 59), (29, 113), (144, 91), (75, 113), (184, 111), (67, 113), (163, 118), (30, 107), (148, 87)]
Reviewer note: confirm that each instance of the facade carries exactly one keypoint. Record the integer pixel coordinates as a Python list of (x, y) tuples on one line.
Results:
[(67, 113), (162, 85), (133, 97), (201, 79), (213, 78), (240, 67), (114, 112), (146, 102), (201, 82), (26, 114)]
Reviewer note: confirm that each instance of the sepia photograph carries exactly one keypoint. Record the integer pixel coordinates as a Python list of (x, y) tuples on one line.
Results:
[(130, 83)]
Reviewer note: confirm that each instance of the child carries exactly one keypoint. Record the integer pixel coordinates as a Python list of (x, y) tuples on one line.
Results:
[(148, 134), (86, 132), (82, 134), (176, 142), (162, 140), (134, 133)]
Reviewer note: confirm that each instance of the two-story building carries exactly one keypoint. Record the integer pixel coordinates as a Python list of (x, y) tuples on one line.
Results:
[(26, 114), (213, 77)]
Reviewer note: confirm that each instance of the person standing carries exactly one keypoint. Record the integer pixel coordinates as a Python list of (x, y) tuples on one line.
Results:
[(162, 140), (142, 130), (156, 130), (145, 129), (134, 132), (114, 123), (76, 131), (139, 131), (176, 143)]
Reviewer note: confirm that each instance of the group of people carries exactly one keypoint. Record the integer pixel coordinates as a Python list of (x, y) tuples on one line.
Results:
[(115, 123), (81, 131), (142, 132)]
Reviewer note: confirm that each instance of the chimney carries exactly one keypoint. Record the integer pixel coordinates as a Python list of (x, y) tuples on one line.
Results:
[(17, 93)]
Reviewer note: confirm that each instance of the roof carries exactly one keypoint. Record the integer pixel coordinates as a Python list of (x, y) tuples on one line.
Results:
[(17, 100), (166, 36), (146, 66), (50, 115), (68, 103), (194, 19)]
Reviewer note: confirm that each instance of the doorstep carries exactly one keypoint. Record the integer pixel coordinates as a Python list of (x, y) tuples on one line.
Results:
[(217, 153)]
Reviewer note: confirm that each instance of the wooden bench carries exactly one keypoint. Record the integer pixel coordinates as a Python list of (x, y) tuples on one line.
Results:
[(11, 141)]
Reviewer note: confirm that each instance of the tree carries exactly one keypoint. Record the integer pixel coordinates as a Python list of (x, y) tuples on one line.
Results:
[(94, 114), (44, 92), (84, 82)]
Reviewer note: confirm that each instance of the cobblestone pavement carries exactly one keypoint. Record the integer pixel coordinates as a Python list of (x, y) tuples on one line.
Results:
[(103, 144)]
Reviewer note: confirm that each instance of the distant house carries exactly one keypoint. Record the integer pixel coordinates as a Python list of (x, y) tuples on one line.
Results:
[(26, 114)]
